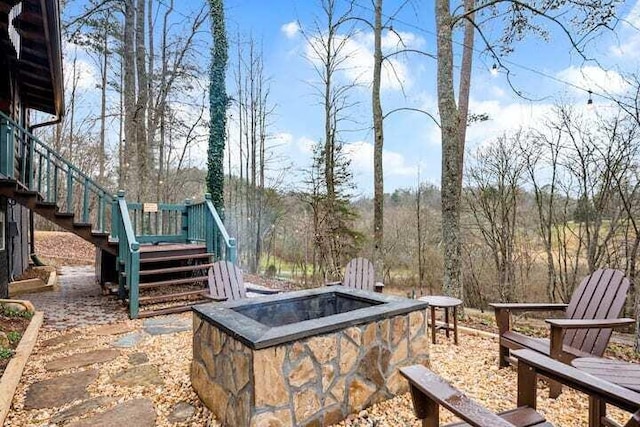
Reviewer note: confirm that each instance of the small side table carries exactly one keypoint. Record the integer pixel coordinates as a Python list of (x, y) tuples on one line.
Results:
[(445, 303)]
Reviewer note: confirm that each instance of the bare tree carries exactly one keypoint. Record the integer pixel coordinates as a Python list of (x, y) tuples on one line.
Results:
[(493, 197)]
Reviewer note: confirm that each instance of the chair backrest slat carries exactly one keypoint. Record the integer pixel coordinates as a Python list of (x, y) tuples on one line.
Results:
[(225, 281), (600, 295), (359, 274)]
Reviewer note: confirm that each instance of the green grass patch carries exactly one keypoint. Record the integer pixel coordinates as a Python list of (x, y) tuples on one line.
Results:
[(14, 337), (9, 312), (5, 353)]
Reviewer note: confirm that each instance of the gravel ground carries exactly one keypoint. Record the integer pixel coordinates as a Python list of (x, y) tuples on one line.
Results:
[(472, 367)]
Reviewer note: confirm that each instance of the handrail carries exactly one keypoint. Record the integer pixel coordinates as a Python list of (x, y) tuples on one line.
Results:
[(42, 169), (128, 256), (126, 223), (229, 242), (55, 153)]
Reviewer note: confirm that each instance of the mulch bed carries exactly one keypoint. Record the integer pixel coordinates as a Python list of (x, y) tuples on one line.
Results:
[(9, 324)]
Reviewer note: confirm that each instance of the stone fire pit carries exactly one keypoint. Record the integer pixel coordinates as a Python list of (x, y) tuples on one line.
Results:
[(304, 358)]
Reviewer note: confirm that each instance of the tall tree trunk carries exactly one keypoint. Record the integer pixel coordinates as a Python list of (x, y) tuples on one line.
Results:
[(144, 159), (103, 103), (465, 83), (217, 107), (378, 138), (449, 124)]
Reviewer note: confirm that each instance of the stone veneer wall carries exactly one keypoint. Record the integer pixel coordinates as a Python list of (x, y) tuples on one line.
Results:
[(316, 381)]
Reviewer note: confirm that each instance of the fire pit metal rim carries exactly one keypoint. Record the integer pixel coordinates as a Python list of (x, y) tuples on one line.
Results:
[(258, 336)]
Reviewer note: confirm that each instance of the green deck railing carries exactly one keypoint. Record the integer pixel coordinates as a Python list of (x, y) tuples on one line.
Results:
[(38, 167), (205, 225), (128, 255)]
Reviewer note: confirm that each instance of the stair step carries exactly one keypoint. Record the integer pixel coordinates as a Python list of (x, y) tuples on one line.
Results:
[(64, 215), (46, 205), (100, 234), (175, 269), (174, 258), (170, 297), (82, 225), (27, 193), (169, 310), (150, 285)]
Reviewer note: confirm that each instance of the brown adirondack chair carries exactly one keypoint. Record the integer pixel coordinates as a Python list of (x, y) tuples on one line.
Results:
[(585, 331), (429, 392), (227, 284), (359, 274)]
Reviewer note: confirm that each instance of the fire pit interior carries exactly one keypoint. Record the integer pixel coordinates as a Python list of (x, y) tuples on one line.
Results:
[(306, 357), (285, 312)]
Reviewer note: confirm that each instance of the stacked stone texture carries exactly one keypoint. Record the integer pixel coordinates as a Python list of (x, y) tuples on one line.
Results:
[(316, 381)]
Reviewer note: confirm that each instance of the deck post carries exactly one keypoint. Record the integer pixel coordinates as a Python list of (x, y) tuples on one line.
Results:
[(4, 147), (185, 219), (134, 279), (208, 224), (85, 201)]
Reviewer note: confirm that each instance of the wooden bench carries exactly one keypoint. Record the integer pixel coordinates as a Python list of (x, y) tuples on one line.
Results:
[(429, 392)]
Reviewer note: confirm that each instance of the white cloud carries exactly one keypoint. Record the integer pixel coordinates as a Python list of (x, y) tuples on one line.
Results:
[(290, 29), (503, 118), (594, 78), (305, 145), (356, 57), (628, 45), (86, 75), (361, 155)]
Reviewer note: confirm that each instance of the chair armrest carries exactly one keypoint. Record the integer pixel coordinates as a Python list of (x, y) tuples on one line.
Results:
[(214, 298), (543, 365), (588, 323), (378, 287), (533, 306), (430, 391), (260, 289)]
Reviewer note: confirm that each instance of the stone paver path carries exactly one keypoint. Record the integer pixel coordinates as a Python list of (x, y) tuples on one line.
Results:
[(82, 359), (115, 375), (136, 412), (60, 390), (140, 375)]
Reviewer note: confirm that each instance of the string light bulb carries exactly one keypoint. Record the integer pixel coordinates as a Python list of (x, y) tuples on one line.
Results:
[(494, 69), (590, 100)]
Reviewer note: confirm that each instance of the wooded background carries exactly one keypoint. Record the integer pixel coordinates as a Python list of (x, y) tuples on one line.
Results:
[(522, 218)]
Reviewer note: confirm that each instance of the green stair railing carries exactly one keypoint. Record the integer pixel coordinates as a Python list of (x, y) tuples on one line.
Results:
[(128, 260), (38, 167), (205, 225)]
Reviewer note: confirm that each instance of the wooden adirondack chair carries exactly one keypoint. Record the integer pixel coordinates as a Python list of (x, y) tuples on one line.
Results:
[(585, 331), (227, 284), (429, 392), (359, 274)]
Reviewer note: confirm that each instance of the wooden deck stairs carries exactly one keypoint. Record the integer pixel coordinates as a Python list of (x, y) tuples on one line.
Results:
[(156, 254), (173, 277)]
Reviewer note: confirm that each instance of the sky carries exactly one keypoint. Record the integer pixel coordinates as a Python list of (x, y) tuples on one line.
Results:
[(546, 72)]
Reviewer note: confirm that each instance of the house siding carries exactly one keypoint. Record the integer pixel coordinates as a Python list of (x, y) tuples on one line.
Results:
[(4, 258)]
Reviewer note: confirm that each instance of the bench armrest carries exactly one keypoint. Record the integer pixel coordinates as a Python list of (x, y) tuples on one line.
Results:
[(533, 306), (430, 391), (533, 363), (588, 323)]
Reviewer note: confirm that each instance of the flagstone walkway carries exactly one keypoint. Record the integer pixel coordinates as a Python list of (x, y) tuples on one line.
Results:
[(92, 366)]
